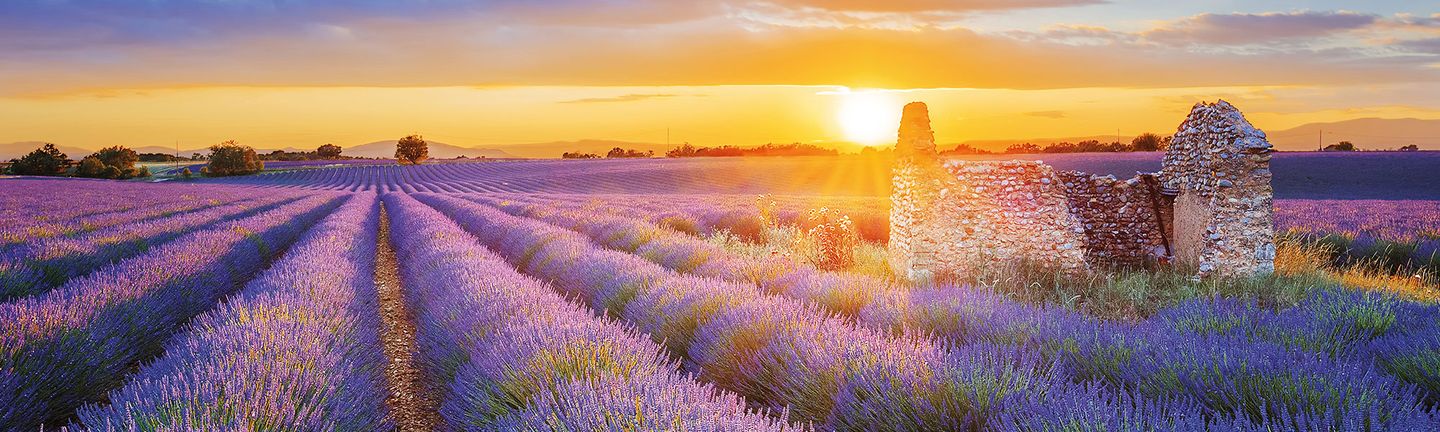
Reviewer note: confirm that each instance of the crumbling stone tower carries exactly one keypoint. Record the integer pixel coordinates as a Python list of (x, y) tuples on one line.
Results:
[(1209, 207), (1218, 169)]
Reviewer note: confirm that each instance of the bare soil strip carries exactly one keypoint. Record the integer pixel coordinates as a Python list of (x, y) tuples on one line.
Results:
[(412, 405)]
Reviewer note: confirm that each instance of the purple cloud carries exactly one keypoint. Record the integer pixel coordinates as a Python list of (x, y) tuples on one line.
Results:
[(1244, 29), (1424, 46)]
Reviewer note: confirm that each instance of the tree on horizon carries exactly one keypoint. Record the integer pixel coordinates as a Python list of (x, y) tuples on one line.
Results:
[(411, 150), (229, 158), (329, 151), (44, 161)]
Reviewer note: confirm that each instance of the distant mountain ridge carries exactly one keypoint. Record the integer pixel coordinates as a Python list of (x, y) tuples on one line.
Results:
[(1365, 133)]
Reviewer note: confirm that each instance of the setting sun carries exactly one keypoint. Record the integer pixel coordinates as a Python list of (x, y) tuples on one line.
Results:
[(869, 117)]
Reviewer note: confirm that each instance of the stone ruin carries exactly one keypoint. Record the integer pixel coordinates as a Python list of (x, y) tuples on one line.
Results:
[(1208, 208)]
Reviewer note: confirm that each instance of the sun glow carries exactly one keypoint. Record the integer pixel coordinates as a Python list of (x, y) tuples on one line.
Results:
[(869, 117)]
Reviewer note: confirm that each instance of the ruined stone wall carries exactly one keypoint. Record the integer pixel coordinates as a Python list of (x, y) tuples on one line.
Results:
[(1209, 206), (1219, 165), (982, 213), (1121, 218), (953, 217)]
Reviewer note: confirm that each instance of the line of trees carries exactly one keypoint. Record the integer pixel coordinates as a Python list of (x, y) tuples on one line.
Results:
[(228, 158), (1142, 143), (324, 152), (1347, 146), (614, 153), (116, 162), (769, 149)]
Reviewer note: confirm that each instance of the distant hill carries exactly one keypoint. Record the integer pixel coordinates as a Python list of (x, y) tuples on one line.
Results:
[(1366, 133), (17, 149), (438, 150)]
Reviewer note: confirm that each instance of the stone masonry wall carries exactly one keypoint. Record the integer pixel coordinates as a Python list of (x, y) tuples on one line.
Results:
[(955, 216), (1121, 218), (1210, 206), (1219, 165)]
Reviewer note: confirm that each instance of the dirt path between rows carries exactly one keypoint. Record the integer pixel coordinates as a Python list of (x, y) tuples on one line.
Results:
[(412, 406)]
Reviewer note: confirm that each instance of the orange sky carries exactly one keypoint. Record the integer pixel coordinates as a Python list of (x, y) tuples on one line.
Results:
[(302, 117), (712, 72)]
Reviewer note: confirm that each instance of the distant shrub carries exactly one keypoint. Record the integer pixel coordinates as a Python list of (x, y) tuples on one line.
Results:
[(833, 237), (91, 167), (185, 172), (411, 150), (119, 157), (328, 151), (111, 163), (1147, 142), (44, 161), (1341, 146), (231, 159), (620, 153)]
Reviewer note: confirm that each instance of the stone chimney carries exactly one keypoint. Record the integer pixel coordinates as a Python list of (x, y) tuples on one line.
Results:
[(916, 141)]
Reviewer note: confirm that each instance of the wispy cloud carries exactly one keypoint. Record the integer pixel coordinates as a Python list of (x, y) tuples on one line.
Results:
[(621, 98), (1047, 114)]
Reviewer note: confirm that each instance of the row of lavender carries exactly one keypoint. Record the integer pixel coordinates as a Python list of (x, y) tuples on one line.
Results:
[(34, 209), (838, 292), (1370, 369), (296, 349), (1391, 233), (531, 360), (778, 353), (42, 264), (851, 176), (68, 346), (1014, 363)]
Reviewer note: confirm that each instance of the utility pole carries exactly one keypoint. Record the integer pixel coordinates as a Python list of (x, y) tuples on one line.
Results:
[(667, 137), (1321, 141)]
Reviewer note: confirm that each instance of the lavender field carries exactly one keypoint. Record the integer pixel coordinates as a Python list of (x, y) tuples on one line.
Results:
[(659, 295)]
